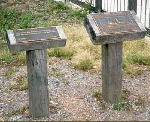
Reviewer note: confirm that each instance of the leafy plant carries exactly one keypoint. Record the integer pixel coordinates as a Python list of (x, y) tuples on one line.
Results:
[(121, 106)]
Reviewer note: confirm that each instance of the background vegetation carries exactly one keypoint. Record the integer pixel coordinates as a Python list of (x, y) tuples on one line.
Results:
[(79, 49)]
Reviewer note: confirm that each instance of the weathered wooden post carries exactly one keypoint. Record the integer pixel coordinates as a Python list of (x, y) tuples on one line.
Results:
[(110, 30), (35, 41), (148, 28), (132, 5), (98, 5)]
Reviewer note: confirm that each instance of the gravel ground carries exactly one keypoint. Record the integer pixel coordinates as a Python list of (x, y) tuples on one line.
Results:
[(71, 93), (71, 96)]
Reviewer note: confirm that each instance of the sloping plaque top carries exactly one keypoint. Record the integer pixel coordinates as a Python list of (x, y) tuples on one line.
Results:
[(114, 27), (35, 38)]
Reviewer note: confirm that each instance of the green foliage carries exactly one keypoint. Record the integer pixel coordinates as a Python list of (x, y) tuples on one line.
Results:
[(124, 103), (12, 19), (59, 12), (17, 59), (135, 56), (61, 53), (77, 14), (6, 58), (85, 64), (138, 59), (121, 106)]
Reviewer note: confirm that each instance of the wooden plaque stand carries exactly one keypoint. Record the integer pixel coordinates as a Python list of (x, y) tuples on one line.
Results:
[(35, 41), (110, 30)]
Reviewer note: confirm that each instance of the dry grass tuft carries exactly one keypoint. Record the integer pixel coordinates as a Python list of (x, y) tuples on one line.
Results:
[(79, 42), (135, 53)]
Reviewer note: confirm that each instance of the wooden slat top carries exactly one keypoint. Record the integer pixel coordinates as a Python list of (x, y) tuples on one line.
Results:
[(114, 26), (35, 38)]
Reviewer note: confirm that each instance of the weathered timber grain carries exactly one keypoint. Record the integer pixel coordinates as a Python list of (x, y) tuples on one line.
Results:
[(113, 27), (110, 29), (112, 72), (38, 83), (35, 38), (132, 5), (98, 5)]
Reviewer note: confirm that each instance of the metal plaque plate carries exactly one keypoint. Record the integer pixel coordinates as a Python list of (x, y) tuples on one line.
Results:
[(35, 34), (114, 27), (35, 38)]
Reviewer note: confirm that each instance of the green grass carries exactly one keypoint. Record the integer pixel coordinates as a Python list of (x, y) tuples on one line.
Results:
[(9, 59), (85, 64), (138, 59), (11, 19), (135, 53), (58, 12), (121, 106), (56, 72), (62, 53), (53, 13), (136, 56)]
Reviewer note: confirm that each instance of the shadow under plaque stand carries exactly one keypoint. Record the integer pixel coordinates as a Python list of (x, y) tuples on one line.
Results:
[(110, 30), (35, 41)]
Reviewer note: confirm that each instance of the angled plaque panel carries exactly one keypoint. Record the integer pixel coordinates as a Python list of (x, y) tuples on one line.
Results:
[(35, 38), (114, 27)]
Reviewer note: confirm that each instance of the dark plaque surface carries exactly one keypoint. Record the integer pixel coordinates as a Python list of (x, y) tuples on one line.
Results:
[(35, 38), (35, 34), (114, 27), (115, 22)]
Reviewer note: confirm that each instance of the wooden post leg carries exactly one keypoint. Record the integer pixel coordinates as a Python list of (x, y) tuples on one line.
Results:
[(38, 83), (112, 72)]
